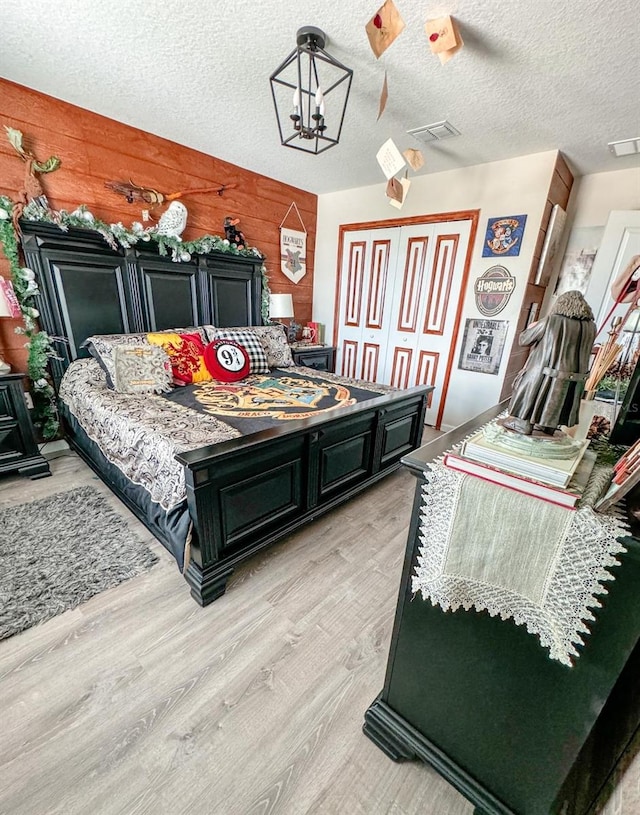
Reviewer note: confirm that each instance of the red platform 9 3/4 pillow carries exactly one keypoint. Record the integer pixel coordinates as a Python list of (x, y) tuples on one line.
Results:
[(226, 360)]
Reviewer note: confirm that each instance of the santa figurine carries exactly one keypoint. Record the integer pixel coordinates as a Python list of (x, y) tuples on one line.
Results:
[(232, 234)]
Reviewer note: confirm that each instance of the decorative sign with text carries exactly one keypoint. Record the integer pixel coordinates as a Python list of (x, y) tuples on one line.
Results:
[(493, 290), (482, 345), (293, 251)]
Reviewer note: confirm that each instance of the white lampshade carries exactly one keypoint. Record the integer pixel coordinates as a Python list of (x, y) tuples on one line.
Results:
[(281, 305)]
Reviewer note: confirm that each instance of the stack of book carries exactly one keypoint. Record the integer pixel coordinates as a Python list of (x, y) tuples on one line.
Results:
[(560, 481)]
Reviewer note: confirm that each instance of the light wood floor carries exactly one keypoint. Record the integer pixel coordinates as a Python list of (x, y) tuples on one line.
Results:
[(139, 701)]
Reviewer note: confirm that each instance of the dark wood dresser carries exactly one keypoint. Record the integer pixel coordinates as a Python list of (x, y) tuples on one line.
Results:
[(322, 358), (479, 699), (18, 449)]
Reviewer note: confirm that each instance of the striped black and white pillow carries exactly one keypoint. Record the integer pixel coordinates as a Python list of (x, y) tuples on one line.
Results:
[(249, 340)]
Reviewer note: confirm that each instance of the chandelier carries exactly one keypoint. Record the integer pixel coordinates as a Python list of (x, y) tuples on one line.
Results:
[(300, 87)]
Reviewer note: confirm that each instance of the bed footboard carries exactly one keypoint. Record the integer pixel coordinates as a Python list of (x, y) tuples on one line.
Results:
[(247, 493)]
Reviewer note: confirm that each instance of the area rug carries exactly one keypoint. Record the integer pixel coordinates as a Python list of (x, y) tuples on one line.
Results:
[(59, 551)]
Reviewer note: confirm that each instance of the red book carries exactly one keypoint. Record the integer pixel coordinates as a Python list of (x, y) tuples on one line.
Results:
[(566, 497)]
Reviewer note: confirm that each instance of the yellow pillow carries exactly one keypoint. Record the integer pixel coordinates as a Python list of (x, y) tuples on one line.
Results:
[(186, 354)]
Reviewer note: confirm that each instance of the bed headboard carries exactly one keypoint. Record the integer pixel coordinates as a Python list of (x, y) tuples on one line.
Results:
[(87, 288)]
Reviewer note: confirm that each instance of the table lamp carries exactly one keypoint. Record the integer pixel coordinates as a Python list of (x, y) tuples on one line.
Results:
[(281, 308)]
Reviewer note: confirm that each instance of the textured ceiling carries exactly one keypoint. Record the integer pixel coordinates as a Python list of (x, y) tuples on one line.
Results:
[(533, 76)]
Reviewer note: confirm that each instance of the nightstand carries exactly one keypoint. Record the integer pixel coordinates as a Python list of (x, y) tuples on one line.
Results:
[(322, 358), (18, 449)]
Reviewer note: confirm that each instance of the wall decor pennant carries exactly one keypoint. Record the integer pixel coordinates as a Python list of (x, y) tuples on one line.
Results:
[(293, 248)]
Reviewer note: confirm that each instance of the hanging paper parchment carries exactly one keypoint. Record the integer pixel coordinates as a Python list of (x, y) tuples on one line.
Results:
[(390, 159)]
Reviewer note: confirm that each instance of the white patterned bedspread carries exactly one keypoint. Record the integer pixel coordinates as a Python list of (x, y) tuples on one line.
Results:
[(139, 433), (142, 433)]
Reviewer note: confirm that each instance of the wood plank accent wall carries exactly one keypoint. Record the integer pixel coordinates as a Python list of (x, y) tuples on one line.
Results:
[(559, 191), (94, 149)]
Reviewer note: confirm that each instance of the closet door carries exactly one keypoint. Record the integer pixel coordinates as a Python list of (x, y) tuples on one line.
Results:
[(400, 292), (368, 264)]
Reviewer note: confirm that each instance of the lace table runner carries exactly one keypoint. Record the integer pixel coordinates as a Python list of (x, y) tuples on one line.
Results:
[(494, 549)]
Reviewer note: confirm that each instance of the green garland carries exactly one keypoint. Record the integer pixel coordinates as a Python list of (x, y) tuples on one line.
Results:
[(38, 343), (116, 235)]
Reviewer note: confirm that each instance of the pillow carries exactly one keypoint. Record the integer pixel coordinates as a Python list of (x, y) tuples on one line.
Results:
[(101, 347), (273, 339), (186, 354), (141, 369), (250, 341), (226, 360), (276, 347)]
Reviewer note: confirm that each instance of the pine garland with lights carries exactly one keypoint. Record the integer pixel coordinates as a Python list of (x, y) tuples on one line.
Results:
[(38, 344), (116, 235)]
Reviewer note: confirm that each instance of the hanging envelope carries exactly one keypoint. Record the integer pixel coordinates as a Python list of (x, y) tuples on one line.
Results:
[(414, 158), (405, 189), (444, 37), (384, 95), (382, 29), (394, 189)]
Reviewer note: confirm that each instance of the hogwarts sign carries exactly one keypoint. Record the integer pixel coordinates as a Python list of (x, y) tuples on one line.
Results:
[(493, 289)]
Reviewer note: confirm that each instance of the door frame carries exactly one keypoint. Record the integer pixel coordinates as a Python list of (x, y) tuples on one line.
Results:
[(472, 215)]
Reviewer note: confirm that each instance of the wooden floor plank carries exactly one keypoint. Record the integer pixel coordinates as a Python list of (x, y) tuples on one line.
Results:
[(139, 701)]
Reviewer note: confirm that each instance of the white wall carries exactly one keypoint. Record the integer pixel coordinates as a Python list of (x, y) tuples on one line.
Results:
[(594, 196), (511, 187)]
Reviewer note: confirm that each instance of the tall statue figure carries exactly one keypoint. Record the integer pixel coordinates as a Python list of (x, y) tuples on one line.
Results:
[(547, 391)]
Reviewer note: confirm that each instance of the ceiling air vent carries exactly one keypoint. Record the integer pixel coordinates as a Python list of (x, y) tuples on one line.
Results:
[(624, 147), (434, 132)]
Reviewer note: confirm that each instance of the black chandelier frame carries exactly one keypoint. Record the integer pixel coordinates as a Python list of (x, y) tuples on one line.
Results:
[(303, 126)]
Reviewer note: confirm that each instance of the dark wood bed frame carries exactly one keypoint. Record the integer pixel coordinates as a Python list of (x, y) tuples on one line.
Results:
[(242, 494)]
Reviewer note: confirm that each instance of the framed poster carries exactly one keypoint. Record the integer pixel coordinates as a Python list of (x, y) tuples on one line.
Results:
[(503, 237), (579, 256), (482, 345)]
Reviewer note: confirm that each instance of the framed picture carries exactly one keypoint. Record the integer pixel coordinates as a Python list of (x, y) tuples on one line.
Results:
[(579, 255), (482, 345), (503, 237), (555, 228), (626, 474)]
